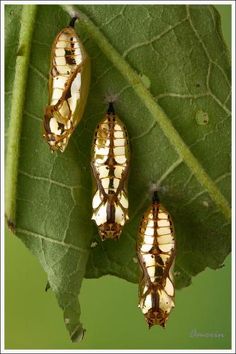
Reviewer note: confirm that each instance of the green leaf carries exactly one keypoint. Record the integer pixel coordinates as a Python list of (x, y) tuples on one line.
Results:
[(171, 71)]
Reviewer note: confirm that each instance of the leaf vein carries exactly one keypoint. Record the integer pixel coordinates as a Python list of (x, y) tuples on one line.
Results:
[(51, 181), (52, 240), (204, 47), (112, 19), (170, 170), (182, 96), (158, 113), (101, 76), (154, 39), (32, 115), (38, 72), (146, 132)]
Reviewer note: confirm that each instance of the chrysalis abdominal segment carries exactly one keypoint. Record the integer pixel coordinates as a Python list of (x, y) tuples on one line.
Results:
[(156, 256), (68, 88), (110, 164)]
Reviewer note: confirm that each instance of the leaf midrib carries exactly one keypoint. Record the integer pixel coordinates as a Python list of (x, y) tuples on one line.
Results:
[(157, 112), (17, 107)]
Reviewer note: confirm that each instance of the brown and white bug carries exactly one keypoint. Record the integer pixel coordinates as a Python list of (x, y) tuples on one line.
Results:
[(110, 165), (156, 254), (68, 87)]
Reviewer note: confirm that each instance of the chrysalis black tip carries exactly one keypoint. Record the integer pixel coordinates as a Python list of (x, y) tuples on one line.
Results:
[(72, 22), (110, 109), (155, 197)]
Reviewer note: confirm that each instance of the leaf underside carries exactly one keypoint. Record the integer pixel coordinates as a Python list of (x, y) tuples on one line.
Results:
[(180, 54)]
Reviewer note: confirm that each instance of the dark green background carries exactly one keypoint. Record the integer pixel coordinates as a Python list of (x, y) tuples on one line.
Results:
[(33, 319)]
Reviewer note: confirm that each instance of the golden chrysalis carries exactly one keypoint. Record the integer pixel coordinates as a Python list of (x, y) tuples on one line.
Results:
[(156, 256), (110, 164), (68, 87)]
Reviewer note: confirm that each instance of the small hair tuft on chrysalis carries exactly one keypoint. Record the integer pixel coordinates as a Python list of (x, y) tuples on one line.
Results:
[(156, 187), (110, 97)]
